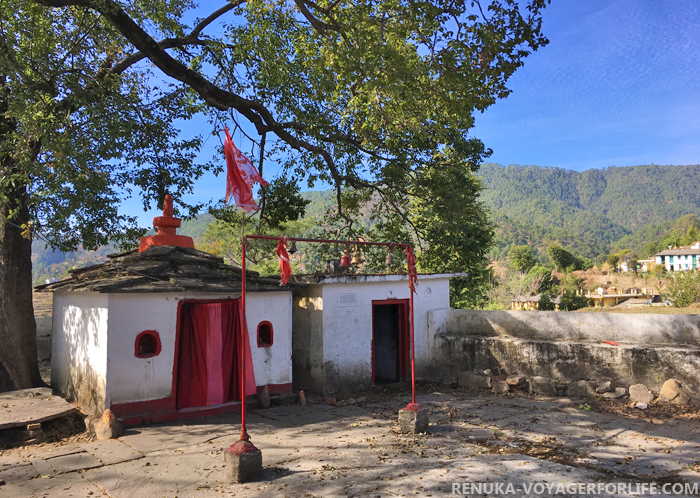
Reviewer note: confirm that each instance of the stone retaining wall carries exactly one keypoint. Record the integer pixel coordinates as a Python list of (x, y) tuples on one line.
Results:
[(567, 346), (649, 329)]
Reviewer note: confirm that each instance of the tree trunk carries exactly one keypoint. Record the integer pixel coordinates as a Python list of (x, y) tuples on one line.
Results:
[(19, 368)]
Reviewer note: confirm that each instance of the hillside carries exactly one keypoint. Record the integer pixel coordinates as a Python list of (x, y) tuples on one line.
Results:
[(48, 264), (590, 213)]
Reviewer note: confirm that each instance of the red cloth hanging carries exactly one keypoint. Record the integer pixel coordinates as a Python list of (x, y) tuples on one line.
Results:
[(412, 272), (241, 175), (208, 367), (233, 315), (285, 267)]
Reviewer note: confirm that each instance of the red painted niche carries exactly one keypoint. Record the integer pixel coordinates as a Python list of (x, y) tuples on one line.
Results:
[(265, 334), (147, 344)]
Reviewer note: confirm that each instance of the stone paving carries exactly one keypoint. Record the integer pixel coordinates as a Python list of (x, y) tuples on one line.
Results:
[(320, 450)]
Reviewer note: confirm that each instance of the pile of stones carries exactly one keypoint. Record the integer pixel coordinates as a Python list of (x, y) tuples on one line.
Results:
[(499, 382)]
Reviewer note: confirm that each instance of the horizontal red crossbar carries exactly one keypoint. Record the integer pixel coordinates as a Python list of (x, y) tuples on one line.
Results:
[(325, 241)]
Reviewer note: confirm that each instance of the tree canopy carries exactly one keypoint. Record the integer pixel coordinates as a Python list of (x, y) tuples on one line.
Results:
[(368, 96), (522, 258)]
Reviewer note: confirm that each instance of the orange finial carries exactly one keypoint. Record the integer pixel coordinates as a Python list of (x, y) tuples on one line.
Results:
[(167, 226)]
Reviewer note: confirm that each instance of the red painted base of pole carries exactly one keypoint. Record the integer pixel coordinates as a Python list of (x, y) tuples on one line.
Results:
[(240, 447), (413, 407)]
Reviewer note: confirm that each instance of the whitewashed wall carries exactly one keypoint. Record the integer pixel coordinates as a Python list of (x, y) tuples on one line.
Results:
[(273, 365), (79, 347), (140, 379), (93, 356), (307, 338), (347, 329)]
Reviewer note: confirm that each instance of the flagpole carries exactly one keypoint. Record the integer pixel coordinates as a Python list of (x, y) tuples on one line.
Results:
[(244, 330)]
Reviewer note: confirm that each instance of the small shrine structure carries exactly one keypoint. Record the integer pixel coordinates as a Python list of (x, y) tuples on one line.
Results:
[(352, 330), (153, 333)]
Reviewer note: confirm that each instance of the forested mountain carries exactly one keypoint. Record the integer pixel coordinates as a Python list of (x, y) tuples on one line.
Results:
[(591, 213), (630, 197)]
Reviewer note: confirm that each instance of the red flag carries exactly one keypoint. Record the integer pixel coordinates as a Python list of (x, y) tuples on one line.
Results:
[(241, 175), (285, 268), (412, 272)]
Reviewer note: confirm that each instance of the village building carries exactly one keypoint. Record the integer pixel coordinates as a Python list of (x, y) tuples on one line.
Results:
[(613, 296), (352, 330), (679, 258), (531, 303)]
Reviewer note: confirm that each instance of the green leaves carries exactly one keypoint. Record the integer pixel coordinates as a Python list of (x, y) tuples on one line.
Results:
[(81, 137)]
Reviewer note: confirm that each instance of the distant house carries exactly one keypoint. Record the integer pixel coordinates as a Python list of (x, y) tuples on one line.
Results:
[(679, 258), (531, 303), (614, 296)]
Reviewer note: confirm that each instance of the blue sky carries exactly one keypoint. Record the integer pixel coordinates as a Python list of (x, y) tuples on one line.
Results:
[(618, 85)]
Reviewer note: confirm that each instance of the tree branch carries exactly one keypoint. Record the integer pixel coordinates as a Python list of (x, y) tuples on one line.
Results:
[(218, 98)]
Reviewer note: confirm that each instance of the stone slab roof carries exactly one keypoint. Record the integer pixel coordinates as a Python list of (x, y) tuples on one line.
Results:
[(165, 269)]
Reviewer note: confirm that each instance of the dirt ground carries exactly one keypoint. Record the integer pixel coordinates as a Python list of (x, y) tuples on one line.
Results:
[(356, 450)]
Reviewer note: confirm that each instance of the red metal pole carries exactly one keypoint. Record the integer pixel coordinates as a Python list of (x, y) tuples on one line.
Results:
[(244, 330), (413, 353), (353, 242), (329, 241)]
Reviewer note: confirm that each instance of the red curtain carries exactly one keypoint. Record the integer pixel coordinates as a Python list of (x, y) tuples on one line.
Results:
[(209, 369)]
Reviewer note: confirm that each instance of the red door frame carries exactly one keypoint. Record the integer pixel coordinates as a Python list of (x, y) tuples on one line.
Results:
[(173, 389), (404, 335)]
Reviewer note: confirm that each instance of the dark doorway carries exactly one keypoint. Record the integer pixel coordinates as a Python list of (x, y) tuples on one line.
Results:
[(390, 341)]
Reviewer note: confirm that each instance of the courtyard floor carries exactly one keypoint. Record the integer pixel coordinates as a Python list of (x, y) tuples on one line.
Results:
[(320, 450)]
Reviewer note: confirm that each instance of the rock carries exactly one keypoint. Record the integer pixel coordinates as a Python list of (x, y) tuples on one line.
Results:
[(352, 401), (451, 381), (243, 462), (487, 372), (672, 392), (361, 399), (331, 401), (543, 386), (36, 432), (641, 406), (516, 380), (581, 389), (108, 427), (475, 381), (639, 393), (342, 403), (264, 397), (604, 387), (500, 386), (413, 419), (618, 393)]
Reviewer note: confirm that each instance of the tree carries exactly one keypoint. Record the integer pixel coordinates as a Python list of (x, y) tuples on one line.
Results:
[(561, 258), (541, 274), (632, 262), (613, 260), (364, 95), (78, 131), (570, 301), (522, 258), (682, 289)]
